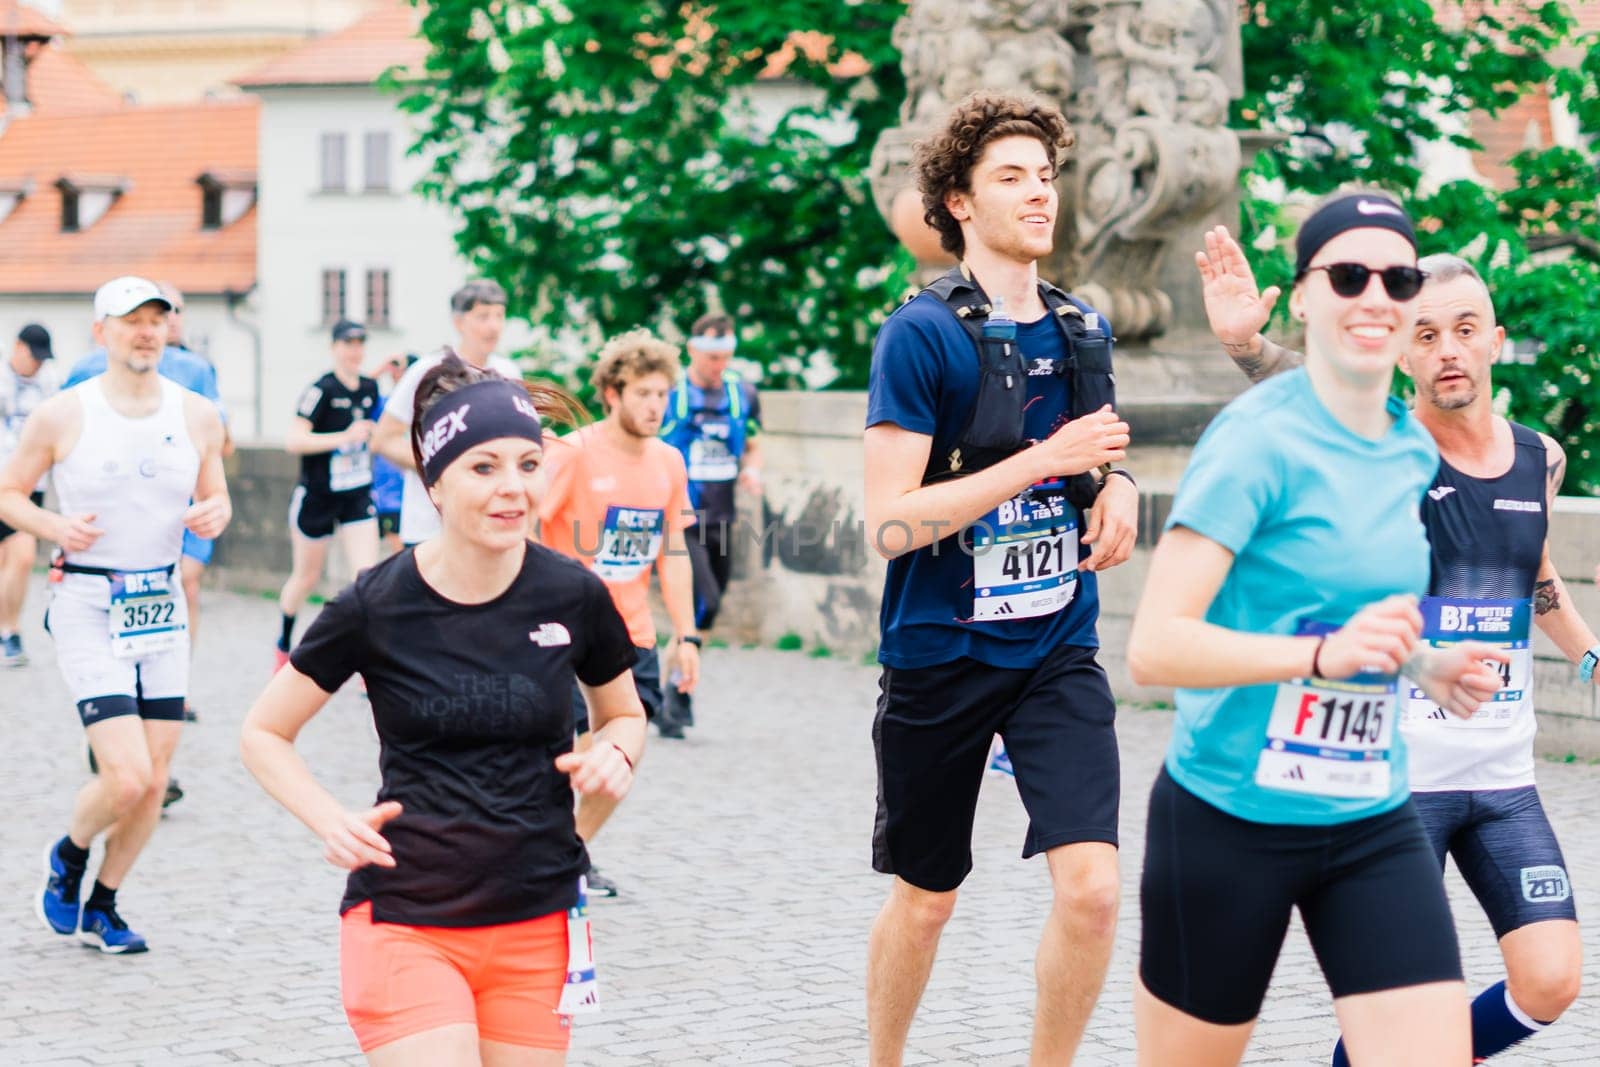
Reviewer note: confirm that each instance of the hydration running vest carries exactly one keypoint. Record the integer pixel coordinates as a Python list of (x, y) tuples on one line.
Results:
[(995, 429), (679, 430)]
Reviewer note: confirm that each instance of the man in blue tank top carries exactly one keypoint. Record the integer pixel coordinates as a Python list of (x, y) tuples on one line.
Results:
[(714, 419), (1487, 518), (990, 604)]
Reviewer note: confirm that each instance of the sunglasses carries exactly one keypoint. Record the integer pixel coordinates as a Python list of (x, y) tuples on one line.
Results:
[(1350, 279)]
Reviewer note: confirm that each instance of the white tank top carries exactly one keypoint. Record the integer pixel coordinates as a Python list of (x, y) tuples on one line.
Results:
[(136, 476)]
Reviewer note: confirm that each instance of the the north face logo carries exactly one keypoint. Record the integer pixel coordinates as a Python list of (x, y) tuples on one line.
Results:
[(550, 635)]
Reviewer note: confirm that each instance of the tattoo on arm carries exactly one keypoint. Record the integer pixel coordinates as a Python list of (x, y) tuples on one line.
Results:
[(1272, 359), (1545, 597), (1555, 473)]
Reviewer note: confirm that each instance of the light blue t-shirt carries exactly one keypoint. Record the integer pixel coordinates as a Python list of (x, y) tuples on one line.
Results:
[(1322, 522)]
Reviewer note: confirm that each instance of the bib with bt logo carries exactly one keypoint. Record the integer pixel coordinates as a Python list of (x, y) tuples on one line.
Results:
[(1025, 555)]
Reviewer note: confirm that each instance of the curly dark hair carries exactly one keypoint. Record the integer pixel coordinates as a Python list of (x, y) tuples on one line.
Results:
[(943, 161), (630, 356), (553, 403)]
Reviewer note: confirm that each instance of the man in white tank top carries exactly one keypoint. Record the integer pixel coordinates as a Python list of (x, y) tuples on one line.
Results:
[(478, 312), (126, 451)]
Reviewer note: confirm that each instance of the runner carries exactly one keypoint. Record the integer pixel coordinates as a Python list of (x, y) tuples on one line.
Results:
[(462, 937), (330, 431), (1280, 600), (478, 311), (196, 374), (27, 379), (714, 420), (983, 500), (388, 481), (126, 452), (1487, 520), (617, 499)]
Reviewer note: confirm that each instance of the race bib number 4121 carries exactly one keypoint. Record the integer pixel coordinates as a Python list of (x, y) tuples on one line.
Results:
[(1025, 556)]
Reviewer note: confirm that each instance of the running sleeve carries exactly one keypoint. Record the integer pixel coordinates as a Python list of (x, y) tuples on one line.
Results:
[(1230, 484), (335, 645), (310, 405), (604, 648), (904, 384)]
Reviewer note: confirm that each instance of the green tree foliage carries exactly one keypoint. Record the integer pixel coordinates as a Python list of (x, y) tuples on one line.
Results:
[(609, 175), (1358, 86)]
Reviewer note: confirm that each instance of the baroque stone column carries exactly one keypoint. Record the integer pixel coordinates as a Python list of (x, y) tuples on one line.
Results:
[(1146, 85)]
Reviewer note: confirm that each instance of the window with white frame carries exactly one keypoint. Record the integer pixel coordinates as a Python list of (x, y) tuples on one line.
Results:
[(377, 299), (375, 153), (332, 296), (333, 163)]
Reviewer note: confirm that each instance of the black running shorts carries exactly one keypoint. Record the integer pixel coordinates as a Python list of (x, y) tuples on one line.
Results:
[(317, 515), (932, 736), (1217, 892), (1506, 851)]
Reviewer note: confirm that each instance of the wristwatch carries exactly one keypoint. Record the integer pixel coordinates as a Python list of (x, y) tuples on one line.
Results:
[(1586, 666), (693, 639)]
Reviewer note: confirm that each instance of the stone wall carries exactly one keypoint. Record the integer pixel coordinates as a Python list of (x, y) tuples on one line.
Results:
[(804, 570)]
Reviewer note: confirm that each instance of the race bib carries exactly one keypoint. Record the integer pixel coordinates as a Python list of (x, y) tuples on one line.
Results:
[(1504, 623), (144, 613), (711, 461), (629, 542), (580, 993), (1025, 556), (1328, 738), (349, 470)]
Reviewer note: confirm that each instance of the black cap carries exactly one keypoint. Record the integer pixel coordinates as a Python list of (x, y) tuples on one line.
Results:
[(37, 338), (345, 330)]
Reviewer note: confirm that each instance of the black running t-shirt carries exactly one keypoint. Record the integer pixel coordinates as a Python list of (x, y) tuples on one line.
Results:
[(330, 406), (472, 705)]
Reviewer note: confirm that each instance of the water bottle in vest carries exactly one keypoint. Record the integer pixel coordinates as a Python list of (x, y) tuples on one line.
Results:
[(1002, 386)]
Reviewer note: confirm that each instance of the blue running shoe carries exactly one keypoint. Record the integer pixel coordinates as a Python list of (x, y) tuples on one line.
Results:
[(103, 928), (57, 904), (999, 760), (11, 654)]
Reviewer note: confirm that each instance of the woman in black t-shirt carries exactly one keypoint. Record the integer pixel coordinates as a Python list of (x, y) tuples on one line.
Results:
[(462, 932)]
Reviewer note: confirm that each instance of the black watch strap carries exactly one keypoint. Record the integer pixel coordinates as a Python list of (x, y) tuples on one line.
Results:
[(1120, 471), (693, 639)]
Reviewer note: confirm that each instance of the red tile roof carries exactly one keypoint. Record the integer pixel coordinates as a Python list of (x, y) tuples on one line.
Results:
[(387, 36), (58, 82), (153, 228), (25, 21)]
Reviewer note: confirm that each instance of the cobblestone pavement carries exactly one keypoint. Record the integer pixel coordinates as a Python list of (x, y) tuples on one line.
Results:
[(743, 858)]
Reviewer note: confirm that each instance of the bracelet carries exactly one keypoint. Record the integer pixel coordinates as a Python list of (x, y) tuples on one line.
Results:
[(693, 639), (1316, 672), (1123, 473), (623, 753)]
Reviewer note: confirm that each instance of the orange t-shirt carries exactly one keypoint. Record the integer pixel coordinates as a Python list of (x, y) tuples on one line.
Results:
[(612, 511)]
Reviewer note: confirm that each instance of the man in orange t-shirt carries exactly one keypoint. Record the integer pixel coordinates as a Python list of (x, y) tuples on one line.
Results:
[(616, 498)]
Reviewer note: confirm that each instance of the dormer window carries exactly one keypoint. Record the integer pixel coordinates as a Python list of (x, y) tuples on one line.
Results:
[(225, 197), (11, 194), (85, 199)]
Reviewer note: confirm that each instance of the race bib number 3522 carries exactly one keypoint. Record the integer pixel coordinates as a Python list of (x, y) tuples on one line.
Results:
[(145, 617)]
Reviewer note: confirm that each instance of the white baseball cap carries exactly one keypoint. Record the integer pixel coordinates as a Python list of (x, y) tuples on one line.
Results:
[(121, 295)]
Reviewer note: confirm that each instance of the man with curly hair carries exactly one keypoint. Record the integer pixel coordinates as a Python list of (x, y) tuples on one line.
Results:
[(985, 457), (616, 499)]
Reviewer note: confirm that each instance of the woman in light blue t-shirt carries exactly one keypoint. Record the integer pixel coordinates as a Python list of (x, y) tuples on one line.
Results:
[(1281, 602)]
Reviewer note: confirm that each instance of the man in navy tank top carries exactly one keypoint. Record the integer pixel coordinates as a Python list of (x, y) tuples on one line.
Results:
[(136, 461), (1487, 518)]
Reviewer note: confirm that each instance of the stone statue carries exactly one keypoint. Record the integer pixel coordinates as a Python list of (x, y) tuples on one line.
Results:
[(1146, 84)]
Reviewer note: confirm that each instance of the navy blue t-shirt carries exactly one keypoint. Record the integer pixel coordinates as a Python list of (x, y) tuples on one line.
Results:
[(938, 602)]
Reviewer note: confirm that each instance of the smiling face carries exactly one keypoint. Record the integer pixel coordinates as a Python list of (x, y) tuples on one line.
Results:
[(488, 493), (639, 405), (1361, 337), (1455, 341), (134, 341), (1011, 209)]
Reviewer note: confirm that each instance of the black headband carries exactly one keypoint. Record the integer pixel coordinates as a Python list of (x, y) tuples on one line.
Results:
[(1359, 211), (483, 411)]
